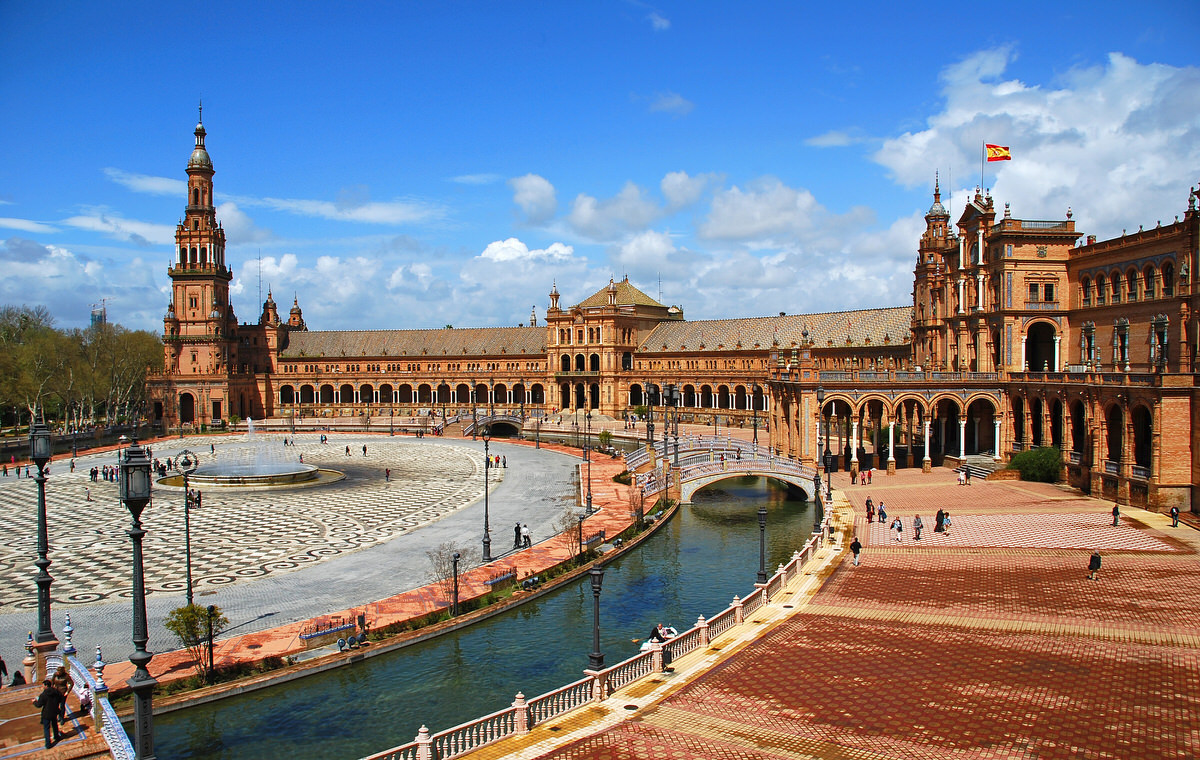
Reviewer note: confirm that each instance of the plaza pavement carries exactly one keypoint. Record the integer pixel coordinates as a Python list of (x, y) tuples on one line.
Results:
[(988, 643), (266, 558)]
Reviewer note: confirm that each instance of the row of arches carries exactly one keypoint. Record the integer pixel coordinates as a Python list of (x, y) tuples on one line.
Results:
[(1130, 285), (405, 393), (739, 397)]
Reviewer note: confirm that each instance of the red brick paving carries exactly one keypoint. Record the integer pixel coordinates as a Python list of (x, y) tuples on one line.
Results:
[(991, 644)]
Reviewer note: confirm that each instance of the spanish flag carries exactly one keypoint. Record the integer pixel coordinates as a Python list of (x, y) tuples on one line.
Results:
[(997, 152)]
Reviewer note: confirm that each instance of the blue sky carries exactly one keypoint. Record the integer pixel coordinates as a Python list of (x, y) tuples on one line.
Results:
[(407, 164)]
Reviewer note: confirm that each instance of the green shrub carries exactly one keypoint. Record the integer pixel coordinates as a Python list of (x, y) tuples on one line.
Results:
[(624, 477), (1041, 465)]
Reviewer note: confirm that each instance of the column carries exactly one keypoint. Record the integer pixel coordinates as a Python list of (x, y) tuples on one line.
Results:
[(962, 251), (979, 288), (962, 294), (996, 439), (975, 427), (1024, 365), (1055, 367), (853, 448), (962, 438), (979, 245), (927, 462), (942, 434), (891, 460)]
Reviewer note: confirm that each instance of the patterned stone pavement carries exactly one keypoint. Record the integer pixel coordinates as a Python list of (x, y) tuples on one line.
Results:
[(988, 644), (237, 535)]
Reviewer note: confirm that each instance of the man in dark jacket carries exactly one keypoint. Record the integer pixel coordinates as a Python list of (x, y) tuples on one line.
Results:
[(49, 700)]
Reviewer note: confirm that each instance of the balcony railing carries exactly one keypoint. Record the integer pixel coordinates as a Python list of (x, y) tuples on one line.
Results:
[(1139, 472), (1111, 467)]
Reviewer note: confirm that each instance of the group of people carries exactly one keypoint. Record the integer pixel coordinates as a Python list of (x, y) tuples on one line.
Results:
[(522, 537), (53, 703), (16, 469), (871, 511), (864, 476)]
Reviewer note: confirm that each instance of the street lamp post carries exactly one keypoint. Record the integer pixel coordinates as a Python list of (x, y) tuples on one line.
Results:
[(39, 452), (537, 435), (754, 389), (134, 490), (596, 657), (454, 602), (391, 422), (827, 456), (649, 414), (588, 459), (474, 394), (487, 464), (762, 543), (443, 400), (581, 518), (819, 514), (186, 463), (668, 392), (208, 674)]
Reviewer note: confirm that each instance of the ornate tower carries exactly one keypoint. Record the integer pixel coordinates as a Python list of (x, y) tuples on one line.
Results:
[(199, 327)]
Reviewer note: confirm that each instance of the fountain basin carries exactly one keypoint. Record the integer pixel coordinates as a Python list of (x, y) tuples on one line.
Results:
[(260, 475)]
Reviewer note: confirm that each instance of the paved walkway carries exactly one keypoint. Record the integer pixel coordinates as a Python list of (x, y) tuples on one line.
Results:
[(989, 643)]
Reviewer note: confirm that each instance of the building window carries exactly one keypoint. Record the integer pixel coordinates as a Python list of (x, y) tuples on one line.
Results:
[(1148, 282), (1101, 290), (1086, 286), (1116, 288), (1048, 291)]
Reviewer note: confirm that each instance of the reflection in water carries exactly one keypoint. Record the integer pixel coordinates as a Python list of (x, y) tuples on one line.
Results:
[(693, 566)]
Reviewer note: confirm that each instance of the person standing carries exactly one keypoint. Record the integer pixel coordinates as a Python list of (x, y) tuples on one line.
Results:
[(917, 526), (517, 536), (1116, 515), (49, 701), (387, 474), (1094, 566), (526, 537), (855, 548), (1174, 517), (898, 526), (3, 671), (882, 512), (939, 523)]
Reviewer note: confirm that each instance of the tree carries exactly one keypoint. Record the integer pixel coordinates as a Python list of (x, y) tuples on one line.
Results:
[(605, 438), (567, 526), (441, 561), (1042, 464), (189, 624)]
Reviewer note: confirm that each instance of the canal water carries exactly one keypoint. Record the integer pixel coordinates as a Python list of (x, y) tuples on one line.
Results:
[(693, 566)]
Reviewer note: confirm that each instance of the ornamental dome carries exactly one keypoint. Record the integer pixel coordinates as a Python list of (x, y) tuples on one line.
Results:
[(200, 158)]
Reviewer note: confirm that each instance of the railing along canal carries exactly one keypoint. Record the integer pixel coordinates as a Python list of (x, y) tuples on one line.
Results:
[(597, 686)]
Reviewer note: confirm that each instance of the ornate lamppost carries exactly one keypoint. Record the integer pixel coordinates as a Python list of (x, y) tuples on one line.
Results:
[(762, 543), (474, 416), (208, 674), (588, 459), (668, 392), (676, 398), (596, 657), (491, 397), (134, 490), (649, 414), (454, 602), (186, 463), (39, 452), (827, 456), (819, 516), (487, 464)]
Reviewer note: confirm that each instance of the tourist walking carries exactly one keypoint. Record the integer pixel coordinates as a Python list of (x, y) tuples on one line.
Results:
[(387, 474), (1094, 566), (526, 538), (870, 511), (946, 522), (364, 449), (1174, 517), (882, 512), (898, 526), (49, 701), (1116, 515), (939, 522), (917, 526), (855, 548)]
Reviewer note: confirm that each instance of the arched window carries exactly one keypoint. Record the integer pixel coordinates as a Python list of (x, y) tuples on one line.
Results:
[(1168, 279), (1116, 287), (1085, 285), (1101, 290), (1148, 278), (1131, 284), (195, 196)]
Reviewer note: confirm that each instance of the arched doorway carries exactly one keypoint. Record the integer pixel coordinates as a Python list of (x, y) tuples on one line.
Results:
[(1039, 348), (187, 408)]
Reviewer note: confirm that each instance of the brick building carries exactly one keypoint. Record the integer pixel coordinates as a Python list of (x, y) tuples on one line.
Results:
[(1019, 335)]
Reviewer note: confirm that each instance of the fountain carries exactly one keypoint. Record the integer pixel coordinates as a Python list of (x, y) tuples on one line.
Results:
[(257, 472)]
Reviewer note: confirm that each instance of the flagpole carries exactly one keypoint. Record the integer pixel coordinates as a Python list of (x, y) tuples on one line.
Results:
[(982, 153)]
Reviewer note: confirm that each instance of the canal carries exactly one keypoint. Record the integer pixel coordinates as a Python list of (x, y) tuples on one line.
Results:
[(693, 566)]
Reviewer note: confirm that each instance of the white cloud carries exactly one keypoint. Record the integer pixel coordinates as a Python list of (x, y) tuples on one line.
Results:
[(144, 183), (142, 233), (26, 225), (672, 103), (682, 190), (658, 22), (535, 196), (831, 139), (513, 249), (344, 210), (1102, 130), (239, 227), (476, 179), (628, 211), (766, 208)]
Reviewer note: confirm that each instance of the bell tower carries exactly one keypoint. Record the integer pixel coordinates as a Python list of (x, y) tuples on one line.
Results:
[(199, 329)]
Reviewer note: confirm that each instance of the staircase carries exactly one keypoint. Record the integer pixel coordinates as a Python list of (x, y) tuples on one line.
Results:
[(979, 465)]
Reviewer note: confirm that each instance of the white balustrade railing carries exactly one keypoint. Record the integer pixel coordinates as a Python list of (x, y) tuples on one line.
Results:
[(522, 716), (552, 704)]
